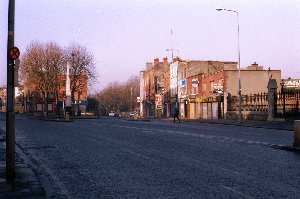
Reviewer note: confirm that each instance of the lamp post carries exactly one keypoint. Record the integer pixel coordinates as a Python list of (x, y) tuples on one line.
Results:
[(239, 60), (283, 97)]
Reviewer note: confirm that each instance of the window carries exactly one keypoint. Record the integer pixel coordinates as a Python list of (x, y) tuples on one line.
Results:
[(194, 90), (221, 81), (211, 86), (204, 87)]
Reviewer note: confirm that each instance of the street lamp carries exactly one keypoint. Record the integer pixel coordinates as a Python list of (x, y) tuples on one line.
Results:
[(239, 60)]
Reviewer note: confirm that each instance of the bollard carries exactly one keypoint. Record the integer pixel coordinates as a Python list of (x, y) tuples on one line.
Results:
[(67, 116), (296, 133)]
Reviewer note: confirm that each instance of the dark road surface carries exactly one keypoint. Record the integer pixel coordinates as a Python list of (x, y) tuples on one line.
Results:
[(113, 158)]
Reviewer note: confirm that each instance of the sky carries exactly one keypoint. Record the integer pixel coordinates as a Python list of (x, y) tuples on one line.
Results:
[(124, 35)]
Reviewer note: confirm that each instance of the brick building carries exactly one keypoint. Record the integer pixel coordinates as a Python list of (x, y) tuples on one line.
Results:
[(35, 102), (199, 89), (152, 81)]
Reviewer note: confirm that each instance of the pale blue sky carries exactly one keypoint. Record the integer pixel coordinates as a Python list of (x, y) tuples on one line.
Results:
[(124, 35)]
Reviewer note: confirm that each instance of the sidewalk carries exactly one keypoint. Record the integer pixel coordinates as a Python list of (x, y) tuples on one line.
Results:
[(26, 184), (279, 125)]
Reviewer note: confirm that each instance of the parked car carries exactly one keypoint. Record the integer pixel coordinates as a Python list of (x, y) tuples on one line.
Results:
[(131, 114), (112, 114)]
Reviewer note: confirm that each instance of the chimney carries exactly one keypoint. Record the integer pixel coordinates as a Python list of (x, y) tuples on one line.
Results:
[(165, 60), (254, 65), (149, 65), (156, 61)]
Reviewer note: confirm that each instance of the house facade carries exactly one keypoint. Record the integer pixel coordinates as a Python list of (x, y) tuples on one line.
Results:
[(152, 81), (34, 101), (200, 89)]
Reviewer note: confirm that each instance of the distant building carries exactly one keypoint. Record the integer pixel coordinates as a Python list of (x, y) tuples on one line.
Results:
[(35, 102), (152, 82)]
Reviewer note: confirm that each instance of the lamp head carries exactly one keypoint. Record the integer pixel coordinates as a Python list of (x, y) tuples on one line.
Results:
[(219, 9)]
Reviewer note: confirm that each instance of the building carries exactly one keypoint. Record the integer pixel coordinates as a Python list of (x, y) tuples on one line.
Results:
[(152, 82), (217, 88), (203, 89), (80, 95), (191, 86), (34, 101)]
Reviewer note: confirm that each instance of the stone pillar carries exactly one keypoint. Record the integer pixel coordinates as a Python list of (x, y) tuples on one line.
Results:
[(225, 104), (272, 91), (296, 133)]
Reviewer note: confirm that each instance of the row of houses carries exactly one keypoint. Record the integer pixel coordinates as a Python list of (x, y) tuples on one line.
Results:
[(200, 89)]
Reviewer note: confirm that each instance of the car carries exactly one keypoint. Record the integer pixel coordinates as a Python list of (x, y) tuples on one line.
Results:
[(133, 114), (112, 114)]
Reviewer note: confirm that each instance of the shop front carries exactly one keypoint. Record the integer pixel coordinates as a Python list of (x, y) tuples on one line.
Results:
[(211, 107)]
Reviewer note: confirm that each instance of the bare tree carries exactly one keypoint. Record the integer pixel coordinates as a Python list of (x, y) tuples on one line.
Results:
[(120, 97), (81, 68), (41, 64)]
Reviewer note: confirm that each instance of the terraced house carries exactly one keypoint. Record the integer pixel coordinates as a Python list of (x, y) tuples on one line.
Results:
[(203, 89)]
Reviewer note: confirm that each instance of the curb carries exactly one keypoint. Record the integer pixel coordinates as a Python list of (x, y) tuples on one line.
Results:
[(268, 126)]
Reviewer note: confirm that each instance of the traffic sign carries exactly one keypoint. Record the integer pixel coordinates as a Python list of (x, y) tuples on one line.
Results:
[(14, 53)]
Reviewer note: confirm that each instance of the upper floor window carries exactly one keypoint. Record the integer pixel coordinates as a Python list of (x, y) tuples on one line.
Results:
[(194, 90), (211, 86)]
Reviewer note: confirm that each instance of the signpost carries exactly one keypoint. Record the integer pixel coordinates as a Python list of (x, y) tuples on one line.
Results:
[(158, 101), (12, 54)]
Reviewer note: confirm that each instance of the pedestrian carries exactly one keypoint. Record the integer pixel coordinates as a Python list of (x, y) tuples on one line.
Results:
[(176, 114)]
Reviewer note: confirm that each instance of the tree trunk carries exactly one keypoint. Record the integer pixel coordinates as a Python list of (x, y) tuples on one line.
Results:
[(78, 108), (46, 105)]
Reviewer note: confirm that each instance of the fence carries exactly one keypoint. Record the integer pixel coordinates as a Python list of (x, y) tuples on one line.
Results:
[(287, 105), (255, 102)]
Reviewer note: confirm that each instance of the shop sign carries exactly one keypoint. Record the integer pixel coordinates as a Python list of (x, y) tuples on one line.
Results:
[(291, 83), (158, 106), (182, 83), (218, 88), (205, 99), (158, 99), (192, 100)]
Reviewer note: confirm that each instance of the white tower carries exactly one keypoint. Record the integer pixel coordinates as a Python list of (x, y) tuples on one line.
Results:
[(68, 90)]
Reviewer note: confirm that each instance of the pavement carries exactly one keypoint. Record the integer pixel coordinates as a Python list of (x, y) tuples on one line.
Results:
[(278, 125), (27, 184)]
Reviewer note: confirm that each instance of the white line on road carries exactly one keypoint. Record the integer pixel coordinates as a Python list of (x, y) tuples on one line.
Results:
[(237, 192), (221, 138), (140, 155)]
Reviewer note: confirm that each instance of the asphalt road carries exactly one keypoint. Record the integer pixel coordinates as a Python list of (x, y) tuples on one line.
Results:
[(113, 158)]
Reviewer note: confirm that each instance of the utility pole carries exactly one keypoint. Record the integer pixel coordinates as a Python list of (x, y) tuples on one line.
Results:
[(10, 113)]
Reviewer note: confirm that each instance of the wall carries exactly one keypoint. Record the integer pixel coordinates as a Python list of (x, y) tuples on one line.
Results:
[(252, 81)]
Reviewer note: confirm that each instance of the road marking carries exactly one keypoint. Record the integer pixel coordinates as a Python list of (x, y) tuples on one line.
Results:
[(93, 139), (221, 138), (237, 192), (140, 155)]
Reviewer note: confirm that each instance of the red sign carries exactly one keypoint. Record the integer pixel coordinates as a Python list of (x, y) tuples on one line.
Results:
[(14, 53)]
